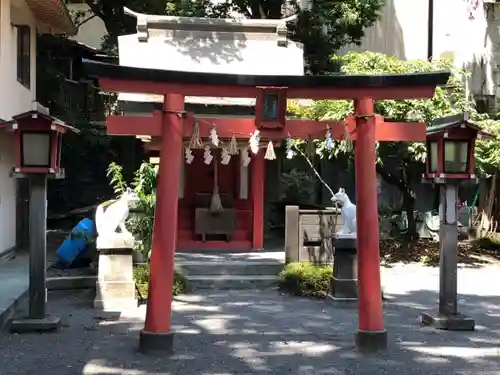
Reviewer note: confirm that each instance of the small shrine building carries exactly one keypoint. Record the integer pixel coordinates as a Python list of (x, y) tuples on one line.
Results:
[(212, 164), (257, 47)]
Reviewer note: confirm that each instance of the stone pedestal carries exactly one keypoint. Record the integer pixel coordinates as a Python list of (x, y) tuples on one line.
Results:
[(115, 287), (345, 274), (447, 317), (457, 322)]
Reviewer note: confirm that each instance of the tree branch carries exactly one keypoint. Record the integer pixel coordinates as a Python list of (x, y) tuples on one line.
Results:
[(389, 177), (315, 171), (85, 20)]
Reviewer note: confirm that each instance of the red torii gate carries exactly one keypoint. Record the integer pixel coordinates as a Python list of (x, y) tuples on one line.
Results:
[(172, 125)]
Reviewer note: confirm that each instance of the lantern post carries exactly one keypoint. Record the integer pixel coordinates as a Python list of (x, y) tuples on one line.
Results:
[(450, 160), (38, 138)]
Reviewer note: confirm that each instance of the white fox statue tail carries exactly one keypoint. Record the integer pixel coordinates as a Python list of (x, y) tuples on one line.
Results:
[(99, 218)]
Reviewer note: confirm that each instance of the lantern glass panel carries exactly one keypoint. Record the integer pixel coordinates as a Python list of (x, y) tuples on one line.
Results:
[(433, 156), (270, 107), (35, 148), (456, 154)]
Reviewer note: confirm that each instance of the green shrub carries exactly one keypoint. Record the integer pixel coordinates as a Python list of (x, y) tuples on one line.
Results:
[(141, 223), (306, 279), (141, 277)]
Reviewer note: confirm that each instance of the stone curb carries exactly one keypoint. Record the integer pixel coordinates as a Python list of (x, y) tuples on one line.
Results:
[(7, 314), (71, 282)]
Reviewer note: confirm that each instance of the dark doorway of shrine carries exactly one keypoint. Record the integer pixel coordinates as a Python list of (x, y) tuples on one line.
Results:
[(194, 204)]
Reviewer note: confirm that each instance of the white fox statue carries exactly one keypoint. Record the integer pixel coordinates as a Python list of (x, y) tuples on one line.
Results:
[(110, 217), (348, 213)]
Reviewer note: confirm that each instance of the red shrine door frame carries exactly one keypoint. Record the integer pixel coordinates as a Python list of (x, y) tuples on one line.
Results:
[(248, 201), (172, 124)]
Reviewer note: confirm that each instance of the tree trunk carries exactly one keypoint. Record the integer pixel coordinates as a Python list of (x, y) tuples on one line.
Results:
[(408, 205), (485, 222)]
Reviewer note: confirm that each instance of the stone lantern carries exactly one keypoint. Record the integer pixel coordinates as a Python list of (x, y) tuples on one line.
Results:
[(38, 138), (450, 160), (450, 149)]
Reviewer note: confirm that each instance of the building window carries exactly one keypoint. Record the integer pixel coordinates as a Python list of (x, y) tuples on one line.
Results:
[(24, 55)]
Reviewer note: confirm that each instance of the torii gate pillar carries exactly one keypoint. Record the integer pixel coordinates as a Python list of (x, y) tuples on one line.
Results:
[(371, 334), (157, 334)]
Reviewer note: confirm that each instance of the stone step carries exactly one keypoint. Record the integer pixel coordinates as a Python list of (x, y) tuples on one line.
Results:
[(71, 282), (225, 282), (227, 268)]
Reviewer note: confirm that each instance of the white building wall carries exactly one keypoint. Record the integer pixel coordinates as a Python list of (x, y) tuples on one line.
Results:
[(7, 194), (14, 99), (466, 34)]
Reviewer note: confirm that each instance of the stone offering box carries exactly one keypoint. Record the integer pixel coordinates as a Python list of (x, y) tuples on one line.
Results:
[(309, 234)]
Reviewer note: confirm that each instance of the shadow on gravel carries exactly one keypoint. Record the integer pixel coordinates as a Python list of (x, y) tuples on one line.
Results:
[(260, 332)]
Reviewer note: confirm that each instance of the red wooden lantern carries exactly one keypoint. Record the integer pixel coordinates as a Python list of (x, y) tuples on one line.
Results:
[(270, 108), (38, 138), (450, 149)]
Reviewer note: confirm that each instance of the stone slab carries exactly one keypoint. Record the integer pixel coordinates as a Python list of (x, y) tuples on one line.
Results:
[(456, 322), (28, 325), (115, 241)]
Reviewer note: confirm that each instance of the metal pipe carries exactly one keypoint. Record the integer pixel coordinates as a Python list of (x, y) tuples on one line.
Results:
[(430, 29)]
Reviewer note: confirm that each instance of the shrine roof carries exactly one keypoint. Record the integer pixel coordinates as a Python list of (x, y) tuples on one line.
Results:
[(121, 72), (449, 122), (151, 21)]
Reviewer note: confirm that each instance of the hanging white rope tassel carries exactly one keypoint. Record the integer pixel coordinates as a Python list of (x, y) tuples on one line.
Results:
[(214, 138), (254, 142), (225, 156), (245, 157), (207, 155), (347, 138), (270, 154), (195, 142), (233, 146), (188, 154), (328, 138), (290, 153)]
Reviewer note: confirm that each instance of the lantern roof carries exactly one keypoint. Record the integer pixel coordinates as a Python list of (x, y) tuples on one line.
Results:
[(39, 111), (462, 120)]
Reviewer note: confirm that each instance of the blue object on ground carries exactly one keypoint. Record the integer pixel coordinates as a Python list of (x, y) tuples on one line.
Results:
[(76, 243)]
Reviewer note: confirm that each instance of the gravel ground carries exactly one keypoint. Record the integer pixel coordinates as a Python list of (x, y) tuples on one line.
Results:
[(264, 332)]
